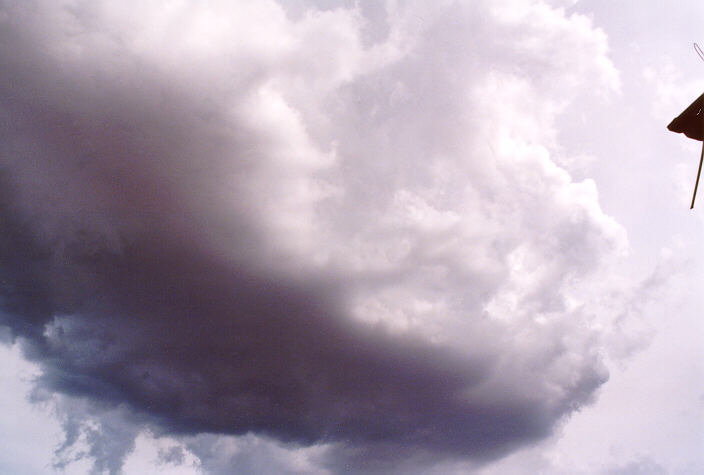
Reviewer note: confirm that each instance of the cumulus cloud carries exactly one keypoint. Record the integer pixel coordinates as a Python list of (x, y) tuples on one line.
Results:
[(342, 228)]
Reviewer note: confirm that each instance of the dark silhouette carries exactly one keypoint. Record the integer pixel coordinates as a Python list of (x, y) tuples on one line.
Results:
[(691, 123)]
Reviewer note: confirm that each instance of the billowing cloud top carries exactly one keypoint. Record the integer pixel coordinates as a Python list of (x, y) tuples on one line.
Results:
[(345, 225)]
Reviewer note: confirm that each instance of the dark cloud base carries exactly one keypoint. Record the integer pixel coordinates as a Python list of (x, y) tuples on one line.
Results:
[(203, 346)]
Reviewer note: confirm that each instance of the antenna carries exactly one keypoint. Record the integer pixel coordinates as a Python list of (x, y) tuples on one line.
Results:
[(699, 51)]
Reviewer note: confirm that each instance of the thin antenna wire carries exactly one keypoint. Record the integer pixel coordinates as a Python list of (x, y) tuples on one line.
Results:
[(696, 185), (699, 51)]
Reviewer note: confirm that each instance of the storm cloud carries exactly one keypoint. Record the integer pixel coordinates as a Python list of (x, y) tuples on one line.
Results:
[(313, 225)]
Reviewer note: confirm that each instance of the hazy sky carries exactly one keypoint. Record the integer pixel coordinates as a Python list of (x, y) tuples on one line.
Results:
[(349, 237)]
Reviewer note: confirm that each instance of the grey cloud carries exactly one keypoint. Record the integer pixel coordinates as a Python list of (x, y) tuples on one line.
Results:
[(103, 434), (253, 454), (173, 455), (639, 466), (136, 263)]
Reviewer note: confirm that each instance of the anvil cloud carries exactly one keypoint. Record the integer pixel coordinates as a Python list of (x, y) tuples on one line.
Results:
[(342, 226)]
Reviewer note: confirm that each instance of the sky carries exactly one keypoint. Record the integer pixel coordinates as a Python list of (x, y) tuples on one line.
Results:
[(328, 237)]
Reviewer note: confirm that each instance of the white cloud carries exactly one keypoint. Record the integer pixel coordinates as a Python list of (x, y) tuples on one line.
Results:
[(34, 433)]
